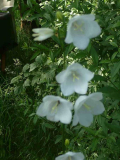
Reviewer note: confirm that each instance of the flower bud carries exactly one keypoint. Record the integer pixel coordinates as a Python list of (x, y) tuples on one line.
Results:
[(59, 15), (67, 142)]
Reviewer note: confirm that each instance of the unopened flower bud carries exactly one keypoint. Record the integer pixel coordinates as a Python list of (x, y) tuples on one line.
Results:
[(59, 15), (67, 142)]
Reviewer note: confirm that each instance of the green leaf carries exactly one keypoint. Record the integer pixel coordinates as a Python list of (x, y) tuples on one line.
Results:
[(15, 79), (94, 55), (115, 69), (26, 83), (26, 67), (110, 92), (94, 144), (58, 139), (33, 66), (47, 125), (114, 55), (98, 78), (113, 128), (69, 49), (114, 44), (105, 61)]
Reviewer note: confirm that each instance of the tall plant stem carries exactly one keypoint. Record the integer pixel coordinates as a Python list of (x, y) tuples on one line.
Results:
[(63, 138)]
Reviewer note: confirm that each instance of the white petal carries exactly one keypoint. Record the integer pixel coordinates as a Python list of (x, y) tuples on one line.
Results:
[(85, 117), (74, 67), (91, 29), (52, 118), (86, 74), (51, 98), (79, 102), (60, 78), (83, 72), (43, 109), (66, 103), (62, 157), (80, 41), (42, 30), (96, 107), (67, 86), (81, 86), (69, 38), (79, 156), (75, 120), (43, 37), (63, 114), (89, 17), (96, 96)]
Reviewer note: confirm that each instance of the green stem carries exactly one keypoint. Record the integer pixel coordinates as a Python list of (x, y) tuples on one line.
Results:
[(64, 59), (63, 138)]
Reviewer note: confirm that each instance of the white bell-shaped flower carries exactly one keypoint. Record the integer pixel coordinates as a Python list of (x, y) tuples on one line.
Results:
[(74, 79), (87, 106), (81, 28), (42, 34), (56, 109), (71, 156)]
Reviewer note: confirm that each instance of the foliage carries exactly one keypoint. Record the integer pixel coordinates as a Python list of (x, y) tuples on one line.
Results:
[(23, 134)]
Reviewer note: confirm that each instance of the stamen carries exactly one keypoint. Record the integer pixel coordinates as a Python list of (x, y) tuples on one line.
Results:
[(78, 26), (55, 107), (86, 106), (69, 158), (75, 77)]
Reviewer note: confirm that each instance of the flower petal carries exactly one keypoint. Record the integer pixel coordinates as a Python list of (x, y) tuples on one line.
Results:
[(42, 30), (96, 96), (96, 107), (85, 117), (93, 30), (62, 157), (67, 86), (43, 37), (63, 114), (43, 109), (81, 86), (89, 17), (80, 41), (69, 38), (79, 102), (60, 78), (75, 120), (79, 156), (50, 98)]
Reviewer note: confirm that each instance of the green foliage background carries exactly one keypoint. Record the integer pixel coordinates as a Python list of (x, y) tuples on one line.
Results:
[(30, 75)]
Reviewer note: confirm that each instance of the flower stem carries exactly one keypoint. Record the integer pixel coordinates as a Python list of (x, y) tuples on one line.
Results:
[(63, 138)]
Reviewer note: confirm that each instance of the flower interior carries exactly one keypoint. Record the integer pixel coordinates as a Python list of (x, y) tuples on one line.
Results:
[(55, 107), (78, 26), (75, 76)]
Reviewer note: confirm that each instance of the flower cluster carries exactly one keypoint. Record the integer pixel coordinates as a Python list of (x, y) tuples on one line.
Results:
[(74, 79)]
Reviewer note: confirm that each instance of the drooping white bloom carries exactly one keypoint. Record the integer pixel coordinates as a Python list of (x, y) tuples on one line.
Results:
[(86, 107), (71, 156), (81, 28), (56, 109), (42, 33), (74, 79)]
